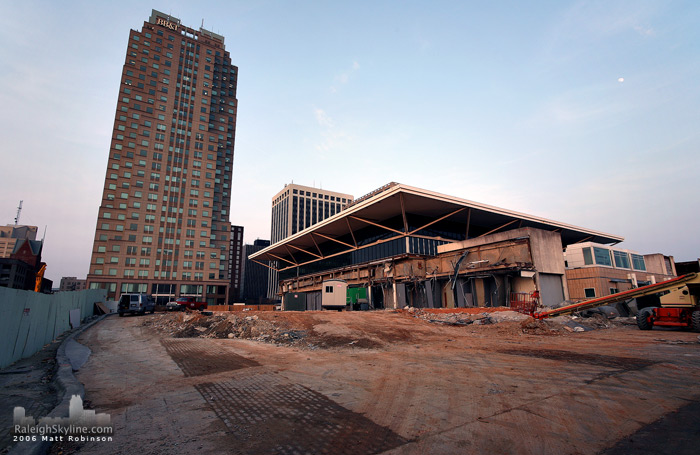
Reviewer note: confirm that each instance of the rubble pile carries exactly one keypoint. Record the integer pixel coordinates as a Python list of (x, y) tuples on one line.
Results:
[(307, 333), (527, 324), (467, 318), (532, 326), (191, 325)]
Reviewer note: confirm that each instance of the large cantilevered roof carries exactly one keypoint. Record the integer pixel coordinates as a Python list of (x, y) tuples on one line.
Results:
[(396, 211)]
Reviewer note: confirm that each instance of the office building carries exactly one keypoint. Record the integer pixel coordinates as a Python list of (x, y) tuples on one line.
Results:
[(17, 274), (10, 234), (163, 223), (71, 283), (235, 263), (298, 207), (255, 275)]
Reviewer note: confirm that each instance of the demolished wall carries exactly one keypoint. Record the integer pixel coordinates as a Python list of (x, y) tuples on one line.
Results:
[(481, 272)]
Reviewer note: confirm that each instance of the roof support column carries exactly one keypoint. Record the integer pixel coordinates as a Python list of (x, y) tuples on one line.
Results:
[(403, 214), (347, 220), (469, 218)]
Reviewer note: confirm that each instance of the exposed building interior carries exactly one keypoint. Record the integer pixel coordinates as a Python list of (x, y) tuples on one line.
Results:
[(411, 247)]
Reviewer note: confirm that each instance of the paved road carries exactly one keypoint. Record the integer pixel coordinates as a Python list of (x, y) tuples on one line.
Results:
[(447, 390)]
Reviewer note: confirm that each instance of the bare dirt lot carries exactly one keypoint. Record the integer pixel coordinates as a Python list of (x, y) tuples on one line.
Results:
[(379, 382)]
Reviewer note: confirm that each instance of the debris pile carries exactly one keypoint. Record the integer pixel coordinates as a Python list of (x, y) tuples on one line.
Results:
[(528, 325), (275, 329), (310, 331), (532, 326), (476, 317), (191, 325)]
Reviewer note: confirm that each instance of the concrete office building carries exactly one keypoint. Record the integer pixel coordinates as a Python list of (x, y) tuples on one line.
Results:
[(235, 263), (408, 246), (71, 283), (16, 274), (163, 223), (255, 276), (296, 208)]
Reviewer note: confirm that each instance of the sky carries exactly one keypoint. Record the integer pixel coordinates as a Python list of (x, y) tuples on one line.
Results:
[(583, 112)]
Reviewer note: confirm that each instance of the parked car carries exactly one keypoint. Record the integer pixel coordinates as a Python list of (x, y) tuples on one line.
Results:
[(191, 303), (135, 304), (174, 306)]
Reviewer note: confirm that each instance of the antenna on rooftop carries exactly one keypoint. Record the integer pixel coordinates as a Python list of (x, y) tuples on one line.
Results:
[(19, 210)]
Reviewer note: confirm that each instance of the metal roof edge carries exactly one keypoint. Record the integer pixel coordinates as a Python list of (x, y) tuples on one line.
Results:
[(507, 212), (399, 187)]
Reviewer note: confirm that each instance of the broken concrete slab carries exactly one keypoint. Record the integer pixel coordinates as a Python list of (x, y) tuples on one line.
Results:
[(77, 354)]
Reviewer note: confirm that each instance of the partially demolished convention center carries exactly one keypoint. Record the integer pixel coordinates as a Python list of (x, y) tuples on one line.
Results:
[(403, 246)]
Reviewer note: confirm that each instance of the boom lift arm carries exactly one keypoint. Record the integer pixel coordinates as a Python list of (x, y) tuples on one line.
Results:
[(676, 289)]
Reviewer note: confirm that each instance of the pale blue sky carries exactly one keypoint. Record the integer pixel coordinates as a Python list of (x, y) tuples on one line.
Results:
[(513, 104)]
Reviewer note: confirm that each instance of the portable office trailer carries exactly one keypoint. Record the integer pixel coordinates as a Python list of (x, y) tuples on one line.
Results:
[(334, 294)]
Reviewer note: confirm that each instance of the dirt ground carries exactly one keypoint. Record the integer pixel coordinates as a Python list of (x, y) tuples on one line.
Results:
[(27, 383), (380, 382)]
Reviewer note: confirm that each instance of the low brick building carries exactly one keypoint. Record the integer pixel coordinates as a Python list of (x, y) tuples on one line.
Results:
[(596, 270)]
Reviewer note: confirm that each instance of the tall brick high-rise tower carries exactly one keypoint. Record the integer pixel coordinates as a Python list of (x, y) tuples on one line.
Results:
[(163, 225)]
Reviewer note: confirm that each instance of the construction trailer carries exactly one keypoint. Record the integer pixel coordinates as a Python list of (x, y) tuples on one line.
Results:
[(334, 294)]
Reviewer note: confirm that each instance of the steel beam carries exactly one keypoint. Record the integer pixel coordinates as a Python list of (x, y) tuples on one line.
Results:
[(303, 251), (375, 224), (352, 234), (437, 221), (498, 228), (334, 240)]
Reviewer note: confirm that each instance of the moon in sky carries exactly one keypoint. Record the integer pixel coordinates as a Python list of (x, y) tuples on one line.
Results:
[(620, 79)]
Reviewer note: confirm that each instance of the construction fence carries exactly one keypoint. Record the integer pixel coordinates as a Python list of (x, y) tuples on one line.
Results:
[(30, 320)]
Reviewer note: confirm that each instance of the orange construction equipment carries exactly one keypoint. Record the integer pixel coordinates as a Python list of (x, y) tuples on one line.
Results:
[(679, 303), (39, 277)]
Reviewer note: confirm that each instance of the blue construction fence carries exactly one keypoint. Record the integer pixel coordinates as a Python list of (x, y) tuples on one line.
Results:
[(30, 320)]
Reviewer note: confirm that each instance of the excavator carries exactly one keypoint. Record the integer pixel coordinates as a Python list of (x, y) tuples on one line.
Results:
[(671, 303)]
